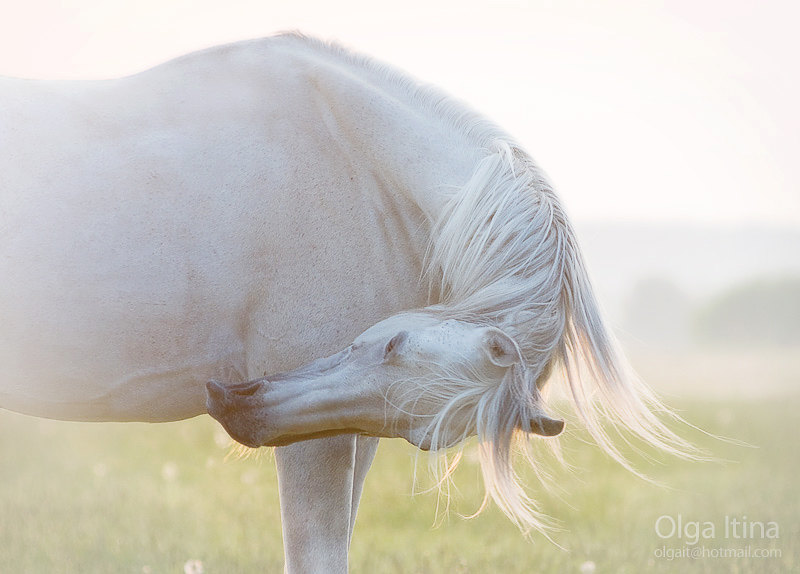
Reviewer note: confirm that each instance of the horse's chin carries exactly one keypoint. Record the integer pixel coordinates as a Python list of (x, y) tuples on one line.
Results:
[(241, 434), (222, 408), (246, 440)]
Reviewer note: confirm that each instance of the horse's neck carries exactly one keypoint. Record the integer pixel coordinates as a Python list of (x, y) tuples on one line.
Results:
[(424, 155)]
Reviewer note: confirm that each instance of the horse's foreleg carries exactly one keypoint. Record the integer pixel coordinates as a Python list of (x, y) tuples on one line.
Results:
[(366, 447), (316, 487)]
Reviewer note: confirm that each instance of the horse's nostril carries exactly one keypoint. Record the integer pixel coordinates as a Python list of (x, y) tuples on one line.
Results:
[(215, 390), (245, 389)]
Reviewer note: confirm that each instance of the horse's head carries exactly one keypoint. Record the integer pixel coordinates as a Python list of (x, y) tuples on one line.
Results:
[(433, 382)]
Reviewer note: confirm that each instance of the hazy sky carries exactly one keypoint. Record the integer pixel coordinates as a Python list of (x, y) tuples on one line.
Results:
[(637, 110)]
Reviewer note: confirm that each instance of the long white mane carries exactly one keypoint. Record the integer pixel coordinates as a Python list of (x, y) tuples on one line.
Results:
[(505, 253)]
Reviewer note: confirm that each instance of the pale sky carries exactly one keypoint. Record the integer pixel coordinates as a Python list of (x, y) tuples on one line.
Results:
[(675, 110)]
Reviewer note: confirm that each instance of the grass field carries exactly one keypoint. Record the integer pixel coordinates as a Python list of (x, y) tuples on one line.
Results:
[(147, 498)]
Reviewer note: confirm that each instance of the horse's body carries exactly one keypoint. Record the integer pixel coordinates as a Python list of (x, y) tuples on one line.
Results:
[(210, 215), (226, 215)]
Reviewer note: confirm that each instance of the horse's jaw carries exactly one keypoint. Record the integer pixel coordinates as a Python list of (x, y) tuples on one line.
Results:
[(325, 398), (432, 382)]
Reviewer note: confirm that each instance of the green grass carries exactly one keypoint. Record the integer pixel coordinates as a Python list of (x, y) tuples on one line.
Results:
[(137, 498)]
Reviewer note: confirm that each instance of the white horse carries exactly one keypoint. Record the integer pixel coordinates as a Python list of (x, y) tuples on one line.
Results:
[(243, 210)]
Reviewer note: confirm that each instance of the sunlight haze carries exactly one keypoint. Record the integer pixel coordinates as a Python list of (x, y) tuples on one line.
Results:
[(637, 110)]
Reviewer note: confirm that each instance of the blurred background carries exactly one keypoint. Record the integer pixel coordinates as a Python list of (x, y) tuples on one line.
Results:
[(672, 132)]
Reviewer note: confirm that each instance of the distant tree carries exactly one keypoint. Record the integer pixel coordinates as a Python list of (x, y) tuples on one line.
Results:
[(657, 313), (762, 312)]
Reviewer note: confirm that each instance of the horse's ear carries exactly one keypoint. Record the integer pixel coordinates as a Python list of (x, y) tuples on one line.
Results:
[(502, 349), (545, 426)]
